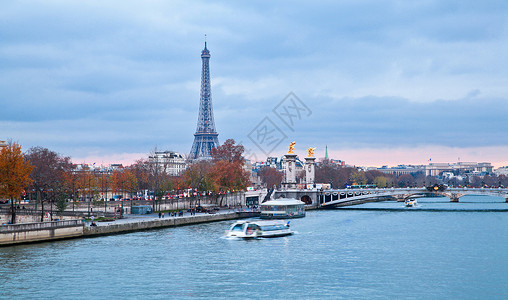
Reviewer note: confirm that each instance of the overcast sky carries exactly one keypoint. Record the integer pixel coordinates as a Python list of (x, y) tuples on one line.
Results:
[(382, 82)]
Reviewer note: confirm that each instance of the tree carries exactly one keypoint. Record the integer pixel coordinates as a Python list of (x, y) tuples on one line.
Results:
[(270, 176), (14, 174), (61, 202), (131, 181), (228, 177), (228, 172), (141, 170), (118, 181), (380, 181), (490, 181), (503, 180), (49, 173), (197, 176), (358, 177), (372, 175), (327, 172), (228, 152), (406, 180)]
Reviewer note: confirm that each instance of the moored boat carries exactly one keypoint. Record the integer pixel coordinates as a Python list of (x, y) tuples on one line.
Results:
[(282, 208), (257, 229)]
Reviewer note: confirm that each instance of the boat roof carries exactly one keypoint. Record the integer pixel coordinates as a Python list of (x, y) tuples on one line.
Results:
[(284, 201), (262, 222)]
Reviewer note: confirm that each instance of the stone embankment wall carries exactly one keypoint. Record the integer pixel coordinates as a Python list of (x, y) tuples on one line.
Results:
[(161, 223), (35, 232), (46, 231)]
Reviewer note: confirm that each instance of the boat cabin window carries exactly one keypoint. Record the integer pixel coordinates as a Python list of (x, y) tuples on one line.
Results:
[(273, 227), (237, 227)]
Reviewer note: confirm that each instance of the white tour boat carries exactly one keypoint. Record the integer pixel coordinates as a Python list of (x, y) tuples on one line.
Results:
[(410, 203), (282, 208), (256, 229)]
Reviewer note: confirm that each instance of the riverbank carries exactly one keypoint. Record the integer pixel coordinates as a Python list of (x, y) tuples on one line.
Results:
[(49, 231), (146, 222)]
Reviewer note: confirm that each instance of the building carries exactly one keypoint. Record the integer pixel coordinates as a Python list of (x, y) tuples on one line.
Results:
[(459, 168), (401, 170), (170, 162), (501, 171), (3, 144), (206, 137)]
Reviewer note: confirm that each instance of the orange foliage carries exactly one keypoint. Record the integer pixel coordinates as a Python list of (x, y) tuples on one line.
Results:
[(14, 172)]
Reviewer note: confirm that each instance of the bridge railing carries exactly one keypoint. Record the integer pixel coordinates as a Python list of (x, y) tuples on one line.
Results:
[(332, 197)]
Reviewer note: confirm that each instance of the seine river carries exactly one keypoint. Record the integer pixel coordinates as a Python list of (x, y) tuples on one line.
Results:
[(439, 250)]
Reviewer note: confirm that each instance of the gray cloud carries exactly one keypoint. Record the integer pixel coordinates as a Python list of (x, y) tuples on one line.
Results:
[(124, 76)]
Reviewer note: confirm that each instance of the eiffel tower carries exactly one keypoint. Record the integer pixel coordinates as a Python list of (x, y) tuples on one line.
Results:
[(205, 137)]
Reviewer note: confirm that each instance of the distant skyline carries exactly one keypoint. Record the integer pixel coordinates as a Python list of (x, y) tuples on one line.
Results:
[(384, 83)]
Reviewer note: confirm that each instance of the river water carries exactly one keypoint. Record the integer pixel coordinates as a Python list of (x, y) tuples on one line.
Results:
[(438, 250)]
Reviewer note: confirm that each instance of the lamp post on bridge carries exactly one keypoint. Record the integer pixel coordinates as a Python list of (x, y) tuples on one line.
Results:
[(89, 194)]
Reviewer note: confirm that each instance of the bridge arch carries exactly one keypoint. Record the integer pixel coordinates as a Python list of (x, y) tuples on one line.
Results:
[(412, 195), (306, 199)]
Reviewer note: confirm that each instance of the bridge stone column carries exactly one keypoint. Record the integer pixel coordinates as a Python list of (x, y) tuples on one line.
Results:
[(310, 171), (290, 174)]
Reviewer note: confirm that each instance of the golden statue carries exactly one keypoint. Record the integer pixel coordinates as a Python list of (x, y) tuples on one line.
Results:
[(291, 148), (310, 152)]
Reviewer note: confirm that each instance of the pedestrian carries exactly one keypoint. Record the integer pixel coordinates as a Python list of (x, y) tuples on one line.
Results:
[(160, 215), (163, 215)]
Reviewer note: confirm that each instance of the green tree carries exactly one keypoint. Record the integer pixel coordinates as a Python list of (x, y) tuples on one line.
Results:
[(14, 174), (61, 202), (380, 181), (358, 177)]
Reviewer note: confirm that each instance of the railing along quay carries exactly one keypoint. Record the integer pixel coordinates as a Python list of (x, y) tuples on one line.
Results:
[(39, 226)]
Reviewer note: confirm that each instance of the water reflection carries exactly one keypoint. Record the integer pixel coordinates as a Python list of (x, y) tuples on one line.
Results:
[(364, 253)]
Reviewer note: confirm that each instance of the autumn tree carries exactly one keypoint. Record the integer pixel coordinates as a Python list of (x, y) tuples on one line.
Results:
[(228, 172), (131, 182), (491, 181), (141, 170), (118, 181), (228, 152), (270, 177), (326, 172), (406, 180), (503, 180), (338, 176), (14, 174), (198, 176), (371, 176), (49, 173)]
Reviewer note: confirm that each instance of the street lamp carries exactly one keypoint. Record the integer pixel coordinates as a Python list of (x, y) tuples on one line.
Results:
[(89, 195), (73, 191)]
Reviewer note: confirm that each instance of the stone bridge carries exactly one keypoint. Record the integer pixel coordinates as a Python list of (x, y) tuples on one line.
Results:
[(343, 197)]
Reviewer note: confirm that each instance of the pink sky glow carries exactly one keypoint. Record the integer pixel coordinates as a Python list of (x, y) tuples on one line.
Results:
[(361, 157)]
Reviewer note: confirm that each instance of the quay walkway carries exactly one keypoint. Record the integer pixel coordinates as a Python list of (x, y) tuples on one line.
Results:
[(47, 231)]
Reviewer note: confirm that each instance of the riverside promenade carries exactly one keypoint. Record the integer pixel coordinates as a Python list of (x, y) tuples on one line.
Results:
[(58, 230)]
